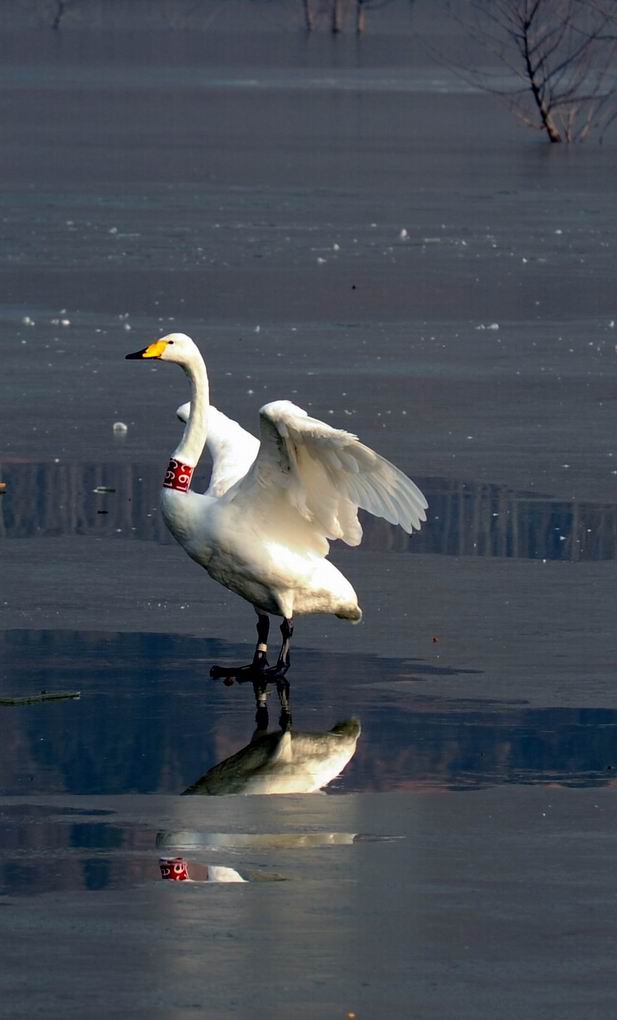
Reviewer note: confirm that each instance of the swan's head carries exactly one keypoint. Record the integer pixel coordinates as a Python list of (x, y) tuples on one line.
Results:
[(176, 347)]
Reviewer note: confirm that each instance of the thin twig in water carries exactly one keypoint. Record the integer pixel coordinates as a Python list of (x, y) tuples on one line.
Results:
[(34, 699)]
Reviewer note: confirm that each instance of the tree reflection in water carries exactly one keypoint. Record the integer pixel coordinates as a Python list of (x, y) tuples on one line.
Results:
[(466, 518)]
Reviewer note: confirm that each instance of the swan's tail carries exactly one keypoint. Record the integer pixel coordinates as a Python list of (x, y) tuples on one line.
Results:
[(348, 728), (353, 613)]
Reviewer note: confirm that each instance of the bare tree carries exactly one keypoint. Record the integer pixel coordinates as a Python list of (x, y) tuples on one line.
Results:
[(179, 14), (360, 17), (338, 13), (336, 16), (362, 6), (58, 12), (309, 15), (561, 54)]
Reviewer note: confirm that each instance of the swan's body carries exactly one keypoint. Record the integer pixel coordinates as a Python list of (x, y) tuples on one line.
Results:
[(264, 525), (248, 536)]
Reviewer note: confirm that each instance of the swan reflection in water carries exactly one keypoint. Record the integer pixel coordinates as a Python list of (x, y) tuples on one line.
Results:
[(283, 761), (277, 762), (175, 869)]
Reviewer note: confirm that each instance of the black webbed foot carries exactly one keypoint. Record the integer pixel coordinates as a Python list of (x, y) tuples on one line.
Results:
[(253, 672), (259, 673), (240, 674), (276, 673)]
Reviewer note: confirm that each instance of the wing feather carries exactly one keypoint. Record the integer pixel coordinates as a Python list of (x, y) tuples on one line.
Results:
[(326, 474), (231, 448)]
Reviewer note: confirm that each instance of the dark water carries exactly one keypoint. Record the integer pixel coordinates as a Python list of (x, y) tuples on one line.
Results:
[(466, 518), (150, 720)]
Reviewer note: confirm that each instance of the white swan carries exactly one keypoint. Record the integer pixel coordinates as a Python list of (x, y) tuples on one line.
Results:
[(264, 525)]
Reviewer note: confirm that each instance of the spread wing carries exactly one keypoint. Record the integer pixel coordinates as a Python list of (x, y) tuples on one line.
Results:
[(325, 474), (231, 447)]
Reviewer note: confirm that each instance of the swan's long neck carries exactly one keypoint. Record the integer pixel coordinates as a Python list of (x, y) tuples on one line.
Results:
[(190, 448)]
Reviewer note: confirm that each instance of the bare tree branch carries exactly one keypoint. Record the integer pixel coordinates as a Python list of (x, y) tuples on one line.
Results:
[(564, 52)]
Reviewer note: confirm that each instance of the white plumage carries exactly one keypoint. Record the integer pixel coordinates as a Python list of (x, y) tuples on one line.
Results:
[(231, 448), (264, 525)]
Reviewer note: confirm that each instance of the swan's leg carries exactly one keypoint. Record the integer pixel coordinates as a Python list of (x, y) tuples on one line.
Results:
[(260, 674), (259, 665), (261, 649), (284, 660), (244, 673)]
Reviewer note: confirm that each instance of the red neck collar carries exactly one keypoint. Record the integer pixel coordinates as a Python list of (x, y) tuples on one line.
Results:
[(178, 476)]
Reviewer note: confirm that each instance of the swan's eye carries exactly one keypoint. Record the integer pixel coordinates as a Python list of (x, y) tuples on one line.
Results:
[(171, 341)]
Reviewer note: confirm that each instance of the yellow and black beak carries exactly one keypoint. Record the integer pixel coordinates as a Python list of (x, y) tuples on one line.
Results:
[(151, 351)]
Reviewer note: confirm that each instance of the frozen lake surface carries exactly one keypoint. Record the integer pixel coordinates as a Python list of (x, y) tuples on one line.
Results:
[(351, 227)]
